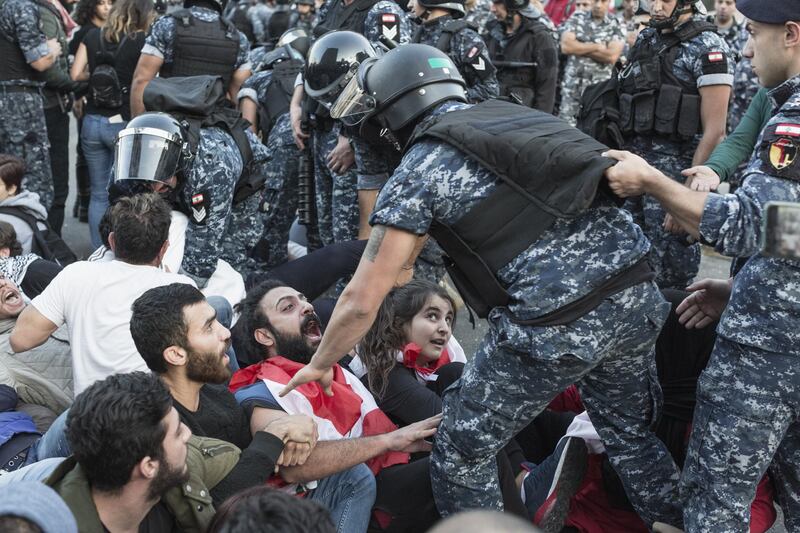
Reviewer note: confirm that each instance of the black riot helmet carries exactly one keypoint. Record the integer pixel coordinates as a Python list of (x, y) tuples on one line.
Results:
[(394, 90), (218, 5), (152, 147), (513, 5), (297, 38), (455, 6), (681, 8), (332, 61)]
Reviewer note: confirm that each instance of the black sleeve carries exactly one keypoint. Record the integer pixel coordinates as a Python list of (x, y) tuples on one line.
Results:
[(255, 466), (408, 400), (547, 73), (38, 276)]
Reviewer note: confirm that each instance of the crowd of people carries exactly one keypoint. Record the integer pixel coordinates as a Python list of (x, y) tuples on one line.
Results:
[(289, 205)]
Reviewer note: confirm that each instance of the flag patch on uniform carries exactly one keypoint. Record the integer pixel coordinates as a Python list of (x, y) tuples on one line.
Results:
[(716, 57), (791, 130), (389, 27), (197, 199), (472, 52), (200, 207)]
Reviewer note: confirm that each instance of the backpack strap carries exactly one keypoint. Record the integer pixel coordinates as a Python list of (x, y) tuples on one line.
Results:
[(39, 243), (450, 28)]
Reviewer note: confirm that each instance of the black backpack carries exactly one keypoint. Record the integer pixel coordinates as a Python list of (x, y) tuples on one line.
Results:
[(242, 23), (46, 243), (599, 115), (200, 102), (104, 82)]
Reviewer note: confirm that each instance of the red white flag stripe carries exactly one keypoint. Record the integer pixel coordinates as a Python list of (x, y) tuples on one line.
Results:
[(715, 56), (792, 130)]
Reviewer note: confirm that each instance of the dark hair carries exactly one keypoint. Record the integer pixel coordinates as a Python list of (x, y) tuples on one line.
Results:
[(251, 317), (84, 10), (157, 321), (17, 524), (8, 239), (141, 226), (386, 336), (262, 509), (12, 170), (115, 423)]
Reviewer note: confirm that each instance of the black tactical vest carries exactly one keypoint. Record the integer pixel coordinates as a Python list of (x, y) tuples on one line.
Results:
[(202, 48), (342, 17), (13, 66), (516, 74), (548, 170), (451, 27), (653, 101), (279, 94)]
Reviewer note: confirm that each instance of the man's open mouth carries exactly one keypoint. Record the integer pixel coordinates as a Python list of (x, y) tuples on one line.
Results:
[(311, 330)]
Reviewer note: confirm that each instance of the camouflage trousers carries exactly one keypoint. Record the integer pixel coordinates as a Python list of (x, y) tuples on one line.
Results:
[(23, 133), (279, 196), (337, 197), (518, 370), (746, 417), (675, 261), (244, 228)]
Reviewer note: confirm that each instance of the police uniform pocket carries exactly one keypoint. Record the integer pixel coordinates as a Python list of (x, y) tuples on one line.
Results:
[(644, 113), (689, 119), (667, 109)]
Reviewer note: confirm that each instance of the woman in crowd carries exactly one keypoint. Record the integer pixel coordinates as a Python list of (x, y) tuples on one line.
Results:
[(117, 44), (18, 207)]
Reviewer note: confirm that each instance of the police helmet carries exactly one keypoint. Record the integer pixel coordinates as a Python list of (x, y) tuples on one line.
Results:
[(297, 38), (456, 6), (332, 61), (681, 7), (399, 87), (513, 5), (152, 147), (306, 2), (218, 5)]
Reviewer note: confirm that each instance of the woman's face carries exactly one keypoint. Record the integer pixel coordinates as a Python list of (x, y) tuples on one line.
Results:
[(102, 9), (430, 328), (6, 191)]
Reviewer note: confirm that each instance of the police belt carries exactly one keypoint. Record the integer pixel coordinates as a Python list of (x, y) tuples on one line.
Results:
[(514, 64), (21, 86)]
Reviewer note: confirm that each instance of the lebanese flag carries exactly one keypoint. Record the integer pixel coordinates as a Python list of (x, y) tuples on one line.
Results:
[(350, 413)]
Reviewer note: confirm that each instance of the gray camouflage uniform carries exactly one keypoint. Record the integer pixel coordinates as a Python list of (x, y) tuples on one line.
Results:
[(217, 228), (23, 131), (279, 195), (470, 55), (749, 394), (674, 259), (519, 369), (160, 42), (582, 71), (337, 195), (374, 27)]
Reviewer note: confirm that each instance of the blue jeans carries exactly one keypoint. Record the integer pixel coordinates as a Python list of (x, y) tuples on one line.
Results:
[(349, 496), (52, 444), (38, 471), (98, 136)]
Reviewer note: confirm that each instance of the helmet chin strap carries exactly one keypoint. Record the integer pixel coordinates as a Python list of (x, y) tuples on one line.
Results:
[(681, 8)]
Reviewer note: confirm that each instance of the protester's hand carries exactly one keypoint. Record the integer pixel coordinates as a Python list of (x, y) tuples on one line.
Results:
[(701, 178), (310, 373), (295, 114), (411, 438), (342, 156), (55, 47), (297, 428), (293, 454), (672, 226), (706, 303), (630, 175)]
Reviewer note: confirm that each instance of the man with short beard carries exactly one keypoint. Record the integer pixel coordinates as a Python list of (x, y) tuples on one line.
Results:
[(177, 334)]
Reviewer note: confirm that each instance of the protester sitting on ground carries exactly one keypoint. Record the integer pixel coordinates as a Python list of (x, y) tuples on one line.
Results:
[(93, 299), (29, 272), (279, 325), (482, 521), (264, 509), (32, 507), (42, 375), (15, 200), (180, 339)]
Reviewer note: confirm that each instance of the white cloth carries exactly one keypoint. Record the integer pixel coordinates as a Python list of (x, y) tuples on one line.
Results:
[(582, 427), (94, 300)]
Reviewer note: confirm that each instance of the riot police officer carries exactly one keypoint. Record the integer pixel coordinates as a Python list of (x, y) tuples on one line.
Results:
[(264, 101), (526, 55), (304, 15), (442, 25), (674, 103), (193, 41), (568, 296), (23, 132), (201, 182)]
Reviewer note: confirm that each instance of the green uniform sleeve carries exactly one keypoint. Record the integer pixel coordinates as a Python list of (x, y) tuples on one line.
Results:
[(738, 147)]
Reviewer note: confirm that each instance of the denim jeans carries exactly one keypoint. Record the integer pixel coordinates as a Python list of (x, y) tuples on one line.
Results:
[(349, 496), (52, 444), (98, 136), (38, 471)]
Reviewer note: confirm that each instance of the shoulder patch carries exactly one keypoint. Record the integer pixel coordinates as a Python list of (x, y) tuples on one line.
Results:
[(200, 207), (779, 150), (390, 27), (715, 63), (472, 52)]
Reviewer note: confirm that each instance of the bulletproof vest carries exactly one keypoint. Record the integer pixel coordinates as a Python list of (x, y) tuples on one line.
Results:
[(547, 169), (279, 94), (653, 101), (450, 28), (202, 48), (341, 17), (516, 74), (14, 66), (242, 23)]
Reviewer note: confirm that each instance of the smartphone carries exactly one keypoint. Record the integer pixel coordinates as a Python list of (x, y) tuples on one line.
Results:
[(781, 237)]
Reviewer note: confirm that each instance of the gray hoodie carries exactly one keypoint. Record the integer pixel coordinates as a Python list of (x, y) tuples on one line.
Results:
[(29, 202)]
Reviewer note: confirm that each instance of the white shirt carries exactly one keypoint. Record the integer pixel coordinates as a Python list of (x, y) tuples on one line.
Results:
[(94, 300)]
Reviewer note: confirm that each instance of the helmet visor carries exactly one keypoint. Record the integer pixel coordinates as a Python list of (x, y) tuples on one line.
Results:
[(353, 105), (146, 154)]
